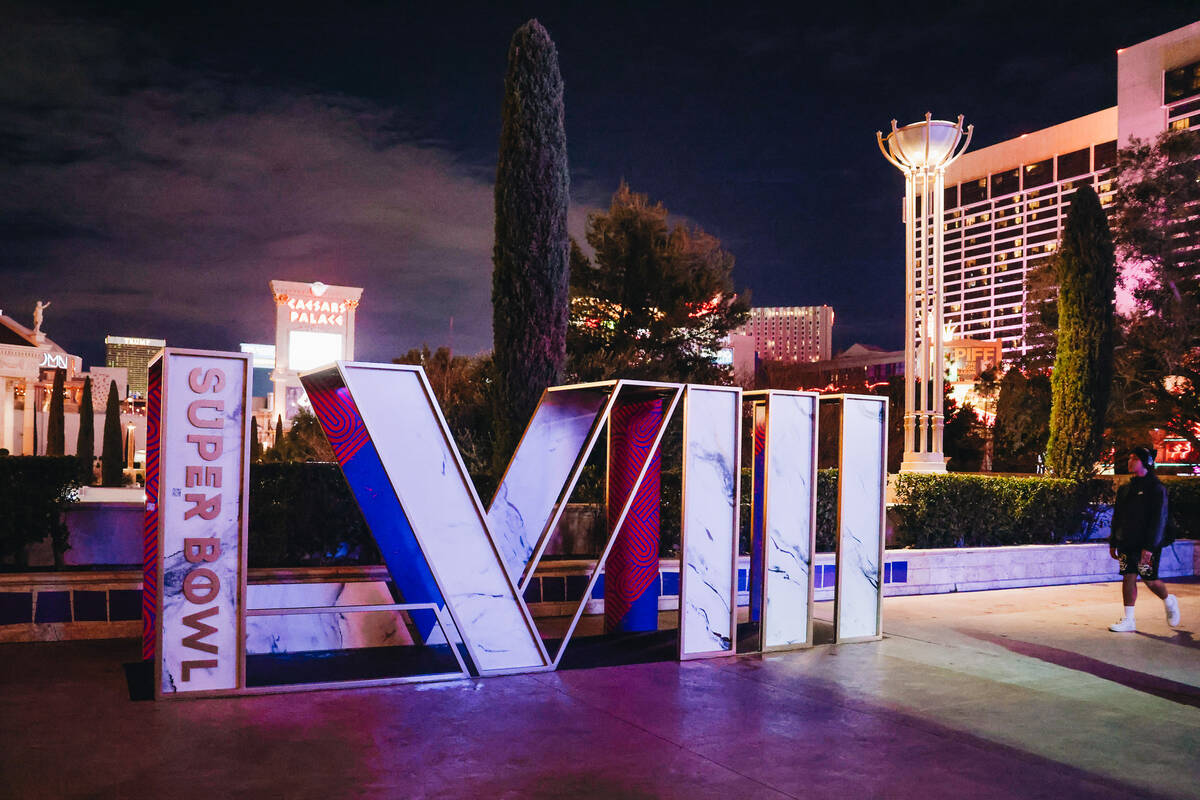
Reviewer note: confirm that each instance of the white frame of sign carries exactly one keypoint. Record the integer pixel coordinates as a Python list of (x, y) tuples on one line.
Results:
[(165, 458)]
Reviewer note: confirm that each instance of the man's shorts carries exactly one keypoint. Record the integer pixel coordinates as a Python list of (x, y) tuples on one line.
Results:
[(1130, 566)]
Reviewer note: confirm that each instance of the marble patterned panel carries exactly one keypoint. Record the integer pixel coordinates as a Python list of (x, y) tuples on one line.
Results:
[(200, 499), (791, 473), (708, 586), (293, 633), (527, 497), (860, 511), (447, 518)]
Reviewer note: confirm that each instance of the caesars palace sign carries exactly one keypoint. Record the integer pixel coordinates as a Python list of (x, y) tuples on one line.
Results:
[(462, 569)]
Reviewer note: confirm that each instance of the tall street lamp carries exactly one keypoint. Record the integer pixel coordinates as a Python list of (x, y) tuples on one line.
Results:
[(922, 151)]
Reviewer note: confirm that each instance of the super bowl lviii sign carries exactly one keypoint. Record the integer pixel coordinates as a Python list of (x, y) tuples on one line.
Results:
[(197, 454), (462, 572)]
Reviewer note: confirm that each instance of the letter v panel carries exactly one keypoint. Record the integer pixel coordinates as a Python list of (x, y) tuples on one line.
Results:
[(543, 471), (359, 460), (401, 417)]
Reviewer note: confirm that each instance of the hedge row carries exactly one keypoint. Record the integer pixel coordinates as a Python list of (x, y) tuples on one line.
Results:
[(959, 510), (303, 514), (34, 491)]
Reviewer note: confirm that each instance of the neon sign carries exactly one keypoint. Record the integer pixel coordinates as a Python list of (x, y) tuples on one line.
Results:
[(317, 312), (54, 361)]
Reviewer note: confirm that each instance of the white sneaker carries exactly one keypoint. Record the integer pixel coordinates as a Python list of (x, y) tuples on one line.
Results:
[(1125, 625), (1172, 604)]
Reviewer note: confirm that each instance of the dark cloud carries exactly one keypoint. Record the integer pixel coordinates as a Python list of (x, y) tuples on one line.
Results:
[(162, 208)]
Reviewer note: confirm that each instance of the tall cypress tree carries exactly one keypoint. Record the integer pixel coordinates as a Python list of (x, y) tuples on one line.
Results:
[(56, 444), (1083, 366), (111, 457), (530, 275), (85, 446), (255, 444)]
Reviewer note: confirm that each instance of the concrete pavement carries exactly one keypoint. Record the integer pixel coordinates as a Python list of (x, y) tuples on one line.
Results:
[(1014, 693)]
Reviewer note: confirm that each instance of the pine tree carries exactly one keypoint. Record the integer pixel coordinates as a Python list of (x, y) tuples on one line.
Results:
[(658, 301), (278, 432), (85, 446), (1083, 366), (111, 457), (56, 444), (530, 275)]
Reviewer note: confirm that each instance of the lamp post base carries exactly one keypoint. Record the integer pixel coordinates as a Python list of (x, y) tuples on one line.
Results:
[(923, 462)]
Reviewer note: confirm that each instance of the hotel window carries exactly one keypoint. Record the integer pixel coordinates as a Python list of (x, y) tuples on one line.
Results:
[(1181, 83), (1039, 174), (973, 191), (1072, 164), (951, 196), (1005, 182), (1105, 155)]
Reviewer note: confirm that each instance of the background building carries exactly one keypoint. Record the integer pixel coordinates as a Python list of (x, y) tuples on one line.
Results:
[(314, 326), (134, 356), (1006, 204), (790, 333)]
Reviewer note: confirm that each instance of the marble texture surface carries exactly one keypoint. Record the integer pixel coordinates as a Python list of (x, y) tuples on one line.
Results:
[(446, 515), (789, 498), (860, 511), (177, 454), (708, 581), (295, 633), (528, 496)]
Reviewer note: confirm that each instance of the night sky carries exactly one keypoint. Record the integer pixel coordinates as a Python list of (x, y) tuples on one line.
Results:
[(160, 162)]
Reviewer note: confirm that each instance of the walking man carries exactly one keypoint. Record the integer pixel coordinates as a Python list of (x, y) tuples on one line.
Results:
[(1138, 524)]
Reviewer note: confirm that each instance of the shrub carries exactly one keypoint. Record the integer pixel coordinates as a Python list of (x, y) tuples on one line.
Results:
[(1183, 502), (985, 511), (34, 491), (303, 514)]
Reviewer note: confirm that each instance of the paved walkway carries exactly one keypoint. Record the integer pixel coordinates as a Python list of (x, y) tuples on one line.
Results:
[(1016, 693)]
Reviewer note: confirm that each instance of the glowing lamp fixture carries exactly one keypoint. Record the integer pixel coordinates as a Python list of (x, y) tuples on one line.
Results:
[(922, 151), (924, 145)]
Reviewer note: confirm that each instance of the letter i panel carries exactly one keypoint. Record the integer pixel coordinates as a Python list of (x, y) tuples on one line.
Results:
[(712, 427), (196, 518), (862, 476), (784, 515)]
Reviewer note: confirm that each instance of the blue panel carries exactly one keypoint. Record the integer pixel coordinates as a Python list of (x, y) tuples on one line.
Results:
[(17, 607), (742, 577), (53, 607), (576, 586), (124, 604), (393, 535), (670, 583), (533, 592), (887, 572), (554, 590), (90, 606), (899, 572), (598, 589)]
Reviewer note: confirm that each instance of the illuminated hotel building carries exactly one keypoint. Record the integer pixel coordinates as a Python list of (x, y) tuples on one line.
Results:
[(314, 326), (134, 355), (790, 333), (1006, 204)]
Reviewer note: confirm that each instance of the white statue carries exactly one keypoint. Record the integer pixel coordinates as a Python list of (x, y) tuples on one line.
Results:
[(38, 314)]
